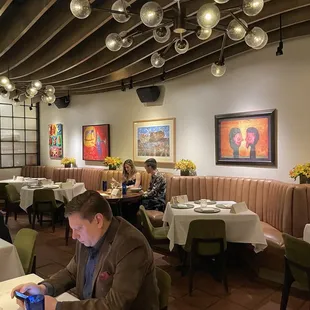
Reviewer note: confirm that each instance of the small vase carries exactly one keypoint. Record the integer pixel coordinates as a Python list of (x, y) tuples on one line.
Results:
[(304, 180), (184, 173), (112, 167), (68, 165)]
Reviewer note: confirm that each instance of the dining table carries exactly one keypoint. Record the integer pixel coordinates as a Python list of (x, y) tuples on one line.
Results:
[(20, 182), (10, 266), (26, 193), (244, 227), (7, 303)]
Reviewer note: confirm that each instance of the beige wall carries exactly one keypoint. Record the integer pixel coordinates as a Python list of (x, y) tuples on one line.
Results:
[(254, 81)]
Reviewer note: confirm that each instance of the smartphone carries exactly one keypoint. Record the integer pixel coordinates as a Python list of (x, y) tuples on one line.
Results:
[(20, 295)]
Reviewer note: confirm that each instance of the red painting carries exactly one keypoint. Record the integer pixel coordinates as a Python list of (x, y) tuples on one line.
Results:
[(96, 142)]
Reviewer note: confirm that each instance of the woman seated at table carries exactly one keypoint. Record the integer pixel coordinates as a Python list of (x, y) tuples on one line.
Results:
[(131, 176)]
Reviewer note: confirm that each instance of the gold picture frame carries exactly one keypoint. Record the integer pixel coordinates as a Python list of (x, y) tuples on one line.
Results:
[(154, 139)]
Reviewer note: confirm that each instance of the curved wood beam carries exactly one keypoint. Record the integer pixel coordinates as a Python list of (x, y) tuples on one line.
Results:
[(297, 30), (4, 4), (145, 65), (105, 56), (63, 42), (44, 29), (18, 19)]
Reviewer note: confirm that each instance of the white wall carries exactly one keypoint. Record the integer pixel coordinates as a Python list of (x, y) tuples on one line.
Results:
[(254, 81)]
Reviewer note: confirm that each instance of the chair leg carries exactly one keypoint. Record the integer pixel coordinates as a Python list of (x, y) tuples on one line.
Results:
[(7, 217), (34, 263), (224, 271), (33, 219), (41, 219), (67, 232), (288, 281), (53, 220), (191, 273), (29, 216), (15, 216)]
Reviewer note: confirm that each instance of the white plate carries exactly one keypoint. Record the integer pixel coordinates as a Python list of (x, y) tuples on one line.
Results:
[(51, 186), (135, 189), (209, 202), (104, 194), (224, 205), (207, 210), (182, 206)]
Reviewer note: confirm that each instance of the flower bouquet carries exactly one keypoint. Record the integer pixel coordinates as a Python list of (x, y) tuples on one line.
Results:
[(186, 166), (112, 162), (301, 171), (67, 162)]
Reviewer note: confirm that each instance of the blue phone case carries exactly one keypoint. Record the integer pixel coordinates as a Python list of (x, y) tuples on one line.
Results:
[(20, 295)]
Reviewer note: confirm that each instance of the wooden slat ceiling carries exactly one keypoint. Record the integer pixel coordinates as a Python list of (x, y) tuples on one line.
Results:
[(41, 39)]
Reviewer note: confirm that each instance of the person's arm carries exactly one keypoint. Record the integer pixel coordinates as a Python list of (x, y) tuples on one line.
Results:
[(154, 191), (127, 281), (138, 179)]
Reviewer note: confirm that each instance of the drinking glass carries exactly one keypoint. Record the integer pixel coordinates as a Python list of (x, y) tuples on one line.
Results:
[(204, 203)]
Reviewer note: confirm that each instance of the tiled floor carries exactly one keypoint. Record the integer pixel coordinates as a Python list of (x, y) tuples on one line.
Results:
[(245, 292)]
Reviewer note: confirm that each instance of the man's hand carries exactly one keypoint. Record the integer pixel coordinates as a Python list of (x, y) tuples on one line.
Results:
[(50, 303), (28, 289)]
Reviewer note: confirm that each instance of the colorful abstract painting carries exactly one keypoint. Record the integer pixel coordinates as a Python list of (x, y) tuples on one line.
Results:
[(55, 141), (155, 138), (96, 142), (245, 138)]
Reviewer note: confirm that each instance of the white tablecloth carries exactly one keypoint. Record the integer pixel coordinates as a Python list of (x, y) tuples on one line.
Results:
[(26, 194), (18, 184), (6, 303), (10, 265), (306, 236), (244, 227)]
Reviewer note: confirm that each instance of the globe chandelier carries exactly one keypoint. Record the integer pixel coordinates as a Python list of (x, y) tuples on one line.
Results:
[(19, 92), (163, 25)]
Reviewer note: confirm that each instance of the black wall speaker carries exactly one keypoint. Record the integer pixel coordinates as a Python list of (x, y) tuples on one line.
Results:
[(148, 94), (62, 102)]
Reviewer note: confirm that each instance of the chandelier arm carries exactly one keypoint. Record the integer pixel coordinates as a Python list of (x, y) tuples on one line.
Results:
[(221, 59), (138, 33), (239, 22), (232, 8), (220, 28), (168, 47), (117, 12), (192, 24)]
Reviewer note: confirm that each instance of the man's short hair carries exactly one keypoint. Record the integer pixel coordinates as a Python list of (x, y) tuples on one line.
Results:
[(151, 162), (88, 205)]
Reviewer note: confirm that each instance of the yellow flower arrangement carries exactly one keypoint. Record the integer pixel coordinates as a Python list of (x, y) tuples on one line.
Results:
[(185, 165), (68, 160), (300, 170), (112, 162)]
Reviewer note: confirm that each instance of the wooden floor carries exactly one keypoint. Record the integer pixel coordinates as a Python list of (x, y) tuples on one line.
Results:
[(245, 292)]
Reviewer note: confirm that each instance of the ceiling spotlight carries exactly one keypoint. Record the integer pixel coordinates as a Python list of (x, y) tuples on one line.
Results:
[(121, 6), (131, 83), (204, 33), (4, 93), (157, 60), (280, 47), (123, 87), (252, 7), (151, 14), (80, 8), (49, 104), (181, 46), (31, 107), (114, 42), (208, 15), (162, 34), (218, 69)]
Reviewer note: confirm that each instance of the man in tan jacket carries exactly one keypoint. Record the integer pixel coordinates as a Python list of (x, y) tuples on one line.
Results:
[(113, 266)]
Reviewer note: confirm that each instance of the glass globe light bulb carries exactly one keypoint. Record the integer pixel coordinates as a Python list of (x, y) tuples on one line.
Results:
[(4, 80), (10, 87), (31, 91), (204, 33), (181, 46), (50, 98), (264, 43), (208, 15), (80, 8), (255, 37), (221, 1), (235, 30), (121, 6), (151, 14), (252, 7), (36, 84), (43, 99), (126, 41), (218, 70), (114, 42), (49, 89), (157, 61), (162, 34)]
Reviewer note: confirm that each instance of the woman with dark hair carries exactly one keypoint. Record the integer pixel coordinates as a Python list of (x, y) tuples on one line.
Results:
[(252, 137), (235, 139), (131, 176)]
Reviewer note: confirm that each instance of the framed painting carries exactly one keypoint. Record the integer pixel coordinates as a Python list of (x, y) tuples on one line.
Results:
[(96, 142), (246, 138), (156, 139), (55, 141)]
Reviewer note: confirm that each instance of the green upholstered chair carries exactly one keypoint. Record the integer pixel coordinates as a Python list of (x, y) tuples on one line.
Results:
[(297, 266), (25, 245), (164, 286), (13, 201), (206, 238), (3, 194), (44, 202)]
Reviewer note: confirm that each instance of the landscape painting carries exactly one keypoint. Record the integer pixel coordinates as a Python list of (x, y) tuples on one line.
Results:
[(245, 138), (156, 139), (55, 141), (96, 142)]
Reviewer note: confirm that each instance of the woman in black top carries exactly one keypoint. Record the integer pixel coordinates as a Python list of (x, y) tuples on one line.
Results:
[(131, 177)]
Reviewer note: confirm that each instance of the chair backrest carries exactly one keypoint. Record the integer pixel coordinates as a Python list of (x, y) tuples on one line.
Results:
[(146, 223), (25, 244), (209, 234), (164, 286), (297, 253), (44, 200), (12, 193), (3, 194)]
